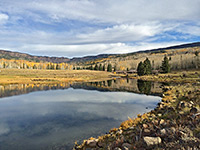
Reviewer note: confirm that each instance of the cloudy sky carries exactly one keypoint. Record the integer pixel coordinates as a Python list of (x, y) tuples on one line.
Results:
[(74, 28)]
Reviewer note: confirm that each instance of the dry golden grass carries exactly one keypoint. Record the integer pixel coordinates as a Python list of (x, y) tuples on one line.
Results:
[(192, 76), (10, 76)]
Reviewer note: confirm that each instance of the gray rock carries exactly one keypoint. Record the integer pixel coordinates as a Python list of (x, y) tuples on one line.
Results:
[(119, 132), (163, 132), (145, 126), (117, 148), (172, 130), (152, 140), (146, 132), (92, 143), (126, 146), (162, 122), (193, 110)]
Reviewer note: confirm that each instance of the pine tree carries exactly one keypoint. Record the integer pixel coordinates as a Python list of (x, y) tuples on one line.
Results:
[(115, 68), (109, 68), (91, 67), (196, 53), (140, 69), (147, 67), (165, 65), (100, 67), (104, 67), (4, 65), (34, 67), (48, 66), (57, 67), (52, 66), (96, 67)]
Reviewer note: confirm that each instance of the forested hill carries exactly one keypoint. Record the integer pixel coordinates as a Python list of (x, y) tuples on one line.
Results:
[(196, 44), (23, 56)]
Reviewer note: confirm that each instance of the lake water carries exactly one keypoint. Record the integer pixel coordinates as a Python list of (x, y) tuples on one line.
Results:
[(56, 116)]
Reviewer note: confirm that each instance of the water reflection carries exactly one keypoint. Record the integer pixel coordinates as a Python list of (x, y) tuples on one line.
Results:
[(144, 86), (54, 119), (130, 85)]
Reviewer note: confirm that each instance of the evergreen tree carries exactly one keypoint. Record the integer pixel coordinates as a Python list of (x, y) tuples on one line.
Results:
[(91, 67), (52, 66), (196, 53), (140, 69), (34, 67), (115, 68), (4, 65), (100, 67), (104, 67), (96, 67), (109, 68), (147, 67), (57, 67), (48, 66), (165, 65)]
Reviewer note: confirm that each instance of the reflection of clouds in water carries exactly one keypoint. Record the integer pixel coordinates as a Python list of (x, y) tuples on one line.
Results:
[(66, 115), (73, 102), (4, 129), (79, 95), (114, 111)]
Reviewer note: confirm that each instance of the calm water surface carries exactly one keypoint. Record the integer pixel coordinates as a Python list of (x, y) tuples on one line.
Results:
[(54, 119)]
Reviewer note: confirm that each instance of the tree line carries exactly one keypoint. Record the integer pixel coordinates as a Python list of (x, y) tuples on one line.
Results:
[(23, 64), (100, 67), (145, 68)]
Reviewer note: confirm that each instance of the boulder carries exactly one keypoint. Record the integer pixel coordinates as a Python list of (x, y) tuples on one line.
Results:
[(117, 148), (126, 146), (163, 132), (92, 143), (145, 126), (146, 132), (193, 110), (150, 141)]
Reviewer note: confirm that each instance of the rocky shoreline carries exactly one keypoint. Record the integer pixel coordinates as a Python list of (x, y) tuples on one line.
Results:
[(173, 124)]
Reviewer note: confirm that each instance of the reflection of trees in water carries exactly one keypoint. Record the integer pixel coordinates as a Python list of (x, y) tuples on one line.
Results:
[(18, 89), (109, 83), (125, 84), (144, 86), (127, 80)]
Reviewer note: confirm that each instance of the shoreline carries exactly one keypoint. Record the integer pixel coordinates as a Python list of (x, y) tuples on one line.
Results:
[(173, 124)]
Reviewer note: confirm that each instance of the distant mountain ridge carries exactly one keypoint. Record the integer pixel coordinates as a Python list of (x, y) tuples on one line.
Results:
[(23, 56)]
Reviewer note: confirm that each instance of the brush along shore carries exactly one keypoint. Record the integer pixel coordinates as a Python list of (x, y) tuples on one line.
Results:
[(173, 124), (191, 76), (28, 76)]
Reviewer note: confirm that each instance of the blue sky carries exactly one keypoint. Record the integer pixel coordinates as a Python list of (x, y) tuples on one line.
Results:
[(74, 28)]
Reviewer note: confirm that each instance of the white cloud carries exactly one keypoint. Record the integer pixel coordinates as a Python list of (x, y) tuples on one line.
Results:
[(3, 18), (116, 11), (91, 49), (111, 24), (119, 33)]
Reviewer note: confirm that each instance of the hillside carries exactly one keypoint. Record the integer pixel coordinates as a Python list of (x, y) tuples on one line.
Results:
[(22, 56), (181, 57)]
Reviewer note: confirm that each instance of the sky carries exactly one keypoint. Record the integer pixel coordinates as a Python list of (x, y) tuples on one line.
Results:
[(75, 28)]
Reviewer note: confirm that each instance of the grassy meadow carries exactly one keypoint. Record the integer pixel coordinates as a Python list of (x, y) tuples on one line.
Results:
[(10, 76)]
